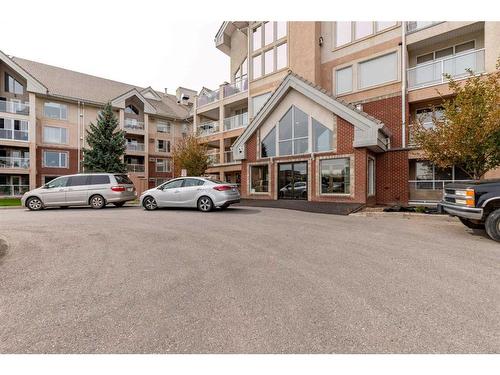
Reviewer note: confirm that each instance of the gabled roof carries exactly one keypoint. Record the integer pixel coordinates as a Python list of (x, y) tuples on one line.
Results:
[(149, 93), (119, 101), (369, 131), (33, 85)]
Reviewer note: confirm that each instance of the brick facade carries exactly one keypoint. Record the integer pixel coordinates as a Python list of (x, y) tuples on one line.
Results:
[(47, 171)]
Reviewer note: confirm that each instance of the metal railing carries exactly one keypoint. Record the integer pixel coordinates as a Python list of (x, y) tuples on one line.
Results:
[(16, 135), (235, 88), (135, 167), (432, 73), (412, 26), (236, 121), (135, 146), (208, 128), (14, 162), (13, 190), (133, 124), (14, 106), (429, 190), (208, 98)]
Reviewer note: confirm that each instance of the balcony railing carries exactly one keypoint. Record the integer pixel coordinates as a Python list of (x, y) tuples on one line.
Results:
[(14, 106), (13, 190), (432, 73), (135, 146), (235, 88), (235, 122), (228, 157), (14, 162), (429, 190), (16, 135), (412, 26), (208, 128), (213, 157), (208, 98), (133, 124), (135, 167)]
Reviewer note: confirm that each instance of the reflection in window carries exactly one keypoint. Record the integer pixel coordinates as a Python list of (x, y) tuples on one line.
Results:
[(343, 80), (322, 140), (378, 70), (131, 110), (12, 85), (268, 145), (335, 176), (259, 179), (56, 111), (258, 101), (293, 139)]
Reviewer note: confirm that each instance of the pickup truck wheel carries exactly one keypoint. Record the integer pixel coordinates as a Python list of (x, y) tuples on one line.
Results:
[(493, 225), (470, 224)]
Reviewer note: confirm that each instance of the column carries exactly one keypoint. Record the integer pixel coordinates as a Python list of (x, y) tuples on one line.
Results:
[(32, 141)]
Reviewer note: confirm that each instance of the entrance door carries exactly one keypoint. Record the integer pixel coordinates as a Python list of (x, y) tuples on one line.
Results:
[(292, 180)]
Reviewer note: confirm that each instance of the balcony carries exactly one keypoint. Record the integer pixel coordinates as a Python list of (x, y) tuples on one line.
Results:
[(15, 135), (235, 122), (135, 168), (432, 73), (213, 157), (14, 162), (135, 146), (13, 190), (133, 124), (235, 88), (14, 106), (208, 98), (429, 191), (412, 26), (228, 157), (208, 128)]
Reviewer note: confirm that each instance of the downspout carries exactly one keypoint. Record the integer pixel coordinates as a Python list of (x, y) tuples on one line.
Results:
[(403, 82), (83, 130), (79, 146)]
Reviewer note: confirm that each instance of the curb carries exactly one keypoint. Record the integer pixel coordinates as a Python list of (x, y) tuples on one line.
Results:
[(10, 207), (404, 215)]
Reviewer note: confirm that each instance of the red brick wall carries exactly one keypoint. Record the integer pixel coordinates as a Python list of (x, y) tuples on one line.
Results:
[(392, 175), (43, 171), (153, 174)]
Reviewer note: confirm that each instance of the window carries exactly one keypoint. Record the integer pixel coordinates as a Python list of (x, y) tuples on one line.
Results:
[(258, 101), (280, 30), (98, 179), (130, 109), (77, 181), (426, 116), (162, 165), (13, 129), (259, 179), (159, 181), (322, 137), (343, 33), (123, 179), (57, 182), (443, 53), (268, 144), (363, 29), (190, 182), (163, 127), (464, 47), (55, 159), (257, 66), (268, 61), (281, 56), (343, 80), (12, 85), (379, 70), (257, 38), (55, 111), (173, 184), (162, 145), (47, 179), (371, 176), (446, 52), (293, 133), (52, 134), (241, 74), (382, 25), (268, 33), (335, 176)]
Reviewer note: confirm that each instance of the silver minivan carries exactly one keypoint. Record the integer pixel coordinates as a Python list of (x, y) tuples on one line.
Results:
[(85, 189)]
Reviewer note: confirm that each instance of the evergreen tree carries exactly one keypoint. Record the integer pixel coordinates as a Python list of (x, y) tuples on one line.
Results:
[(106, 144)]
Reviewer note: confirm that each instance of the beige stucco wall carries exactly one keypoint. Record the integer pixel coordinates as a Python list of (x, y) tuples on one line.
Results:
[(239, 51), (304, 50)]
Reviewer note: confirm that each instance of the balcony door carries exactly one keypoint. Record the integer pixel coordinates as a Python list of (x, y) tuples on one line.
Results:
[(292, 180)]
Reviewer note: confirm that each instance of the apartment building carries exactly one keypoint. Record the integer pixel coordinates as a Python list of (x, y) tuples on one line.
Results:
[(321, 110), (46, 110)]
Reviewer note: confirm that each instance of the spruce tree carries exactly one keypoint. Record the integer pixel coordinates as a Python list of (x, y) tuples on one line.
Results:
[(106, 144)]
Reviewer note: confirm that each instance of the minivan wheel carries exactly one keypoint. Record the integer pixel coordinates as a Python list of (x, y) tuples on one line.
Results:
[(149, 203), (97, 201), (34, 204), (493, 225), (470, 224), (205, 204)]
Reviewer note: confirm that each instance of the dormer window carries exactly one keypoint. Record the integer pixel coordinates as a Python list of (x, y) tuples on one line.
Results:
[(12, 85), (131, 110)]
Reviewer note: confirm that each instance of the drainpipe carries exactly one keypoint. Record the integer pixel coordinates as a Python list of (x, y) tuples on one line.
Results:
[(79, 141), (403, 82), (83, 130)]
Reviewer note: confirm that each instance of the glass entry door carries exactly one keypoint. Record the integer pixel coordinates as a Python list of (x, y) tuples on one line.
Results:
[(292, 180)]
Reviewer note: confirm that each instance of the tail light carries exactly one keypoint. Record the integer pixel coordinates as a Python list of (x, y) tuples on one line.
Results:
[(222, 187), (118, 188)]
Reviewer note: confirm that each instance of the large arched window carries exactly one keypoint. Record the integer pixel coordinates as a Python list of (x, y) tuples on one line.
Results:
[(291, 135)]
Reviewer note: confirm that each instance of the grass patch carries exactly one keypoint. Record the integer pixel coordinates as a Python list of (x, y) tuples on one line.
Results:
[(10, 202)]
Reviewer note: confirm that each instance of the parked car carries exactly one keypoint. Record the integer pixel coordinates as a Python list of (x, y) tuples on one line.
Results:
[(86, 189), (196, 192), (476, 204)]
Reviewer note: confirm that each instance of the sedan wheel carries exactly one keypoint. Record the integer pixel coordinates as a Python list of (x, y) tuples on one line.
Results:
[(205, 204), (97, 202), (149, 203), (34, 204)]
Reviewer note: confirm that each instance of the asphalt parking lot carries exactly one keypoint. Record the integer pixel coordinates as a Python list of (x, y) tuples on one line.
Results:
[(247, 280)]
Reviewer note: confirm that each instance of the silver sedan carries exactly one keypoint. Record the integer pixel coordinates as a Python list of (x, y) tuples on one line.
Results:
[(196, 192)]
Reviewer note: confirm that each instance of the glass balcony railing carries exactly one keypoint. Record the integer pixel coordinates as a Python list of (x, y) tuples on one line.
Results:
[(432, 73), (235, 88), (14, 162), (412, 26), (208, 128), (13, 190), (14, 106), (213, 157), (135, 146), (133, 124), (236, 121), (16, 135), (208, 98), (135, 167)]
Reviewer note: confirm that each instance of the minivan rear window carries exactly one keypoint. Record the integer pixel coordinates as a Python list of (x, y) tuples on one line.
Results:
[(99, 179), (123, 179)]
